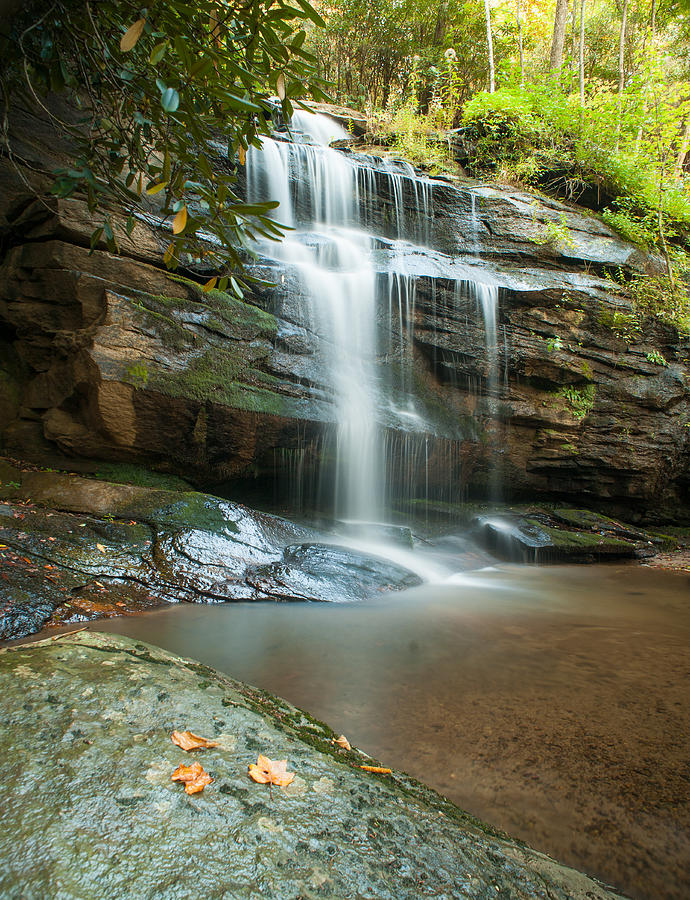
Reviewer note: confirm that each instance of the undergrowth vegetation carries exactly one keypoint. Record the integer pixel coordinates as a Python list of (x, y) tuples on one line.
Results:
[(594, 155)]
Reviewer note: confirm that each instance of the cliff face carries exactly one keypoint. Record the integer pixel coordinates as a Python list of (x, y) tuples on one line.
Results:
[(108, 357)]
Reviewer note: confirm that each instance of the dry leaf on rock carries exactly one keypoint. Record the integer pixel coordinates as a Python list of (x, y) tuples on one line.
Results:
[(380, 770), (343, 742), (194, 777), (268, 771), (188, 741)]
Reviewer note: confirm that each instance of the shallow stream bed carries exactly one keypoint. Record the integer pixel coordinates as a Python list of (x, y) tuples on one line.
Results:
[(552, 702)]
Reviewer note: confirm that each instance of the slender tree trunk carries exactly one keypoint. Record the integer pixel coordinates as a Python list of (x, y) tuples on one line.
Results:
[(683, 152), (621, 48), (490, 46), (559, 23), (621, 71), (573, 43), (441, 17), (582, 54), (522, 55)]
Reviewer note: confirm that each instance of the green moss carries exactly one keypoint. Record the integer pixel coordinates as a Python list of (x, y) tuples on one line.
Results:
[(137, 375), (129, 473), (585, 541), (219, 376), (587, 370)]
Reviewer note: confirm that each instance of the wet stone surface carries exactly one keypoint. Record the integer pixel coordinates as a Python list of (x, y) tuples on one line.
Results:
[(90, 808), (80, 549)]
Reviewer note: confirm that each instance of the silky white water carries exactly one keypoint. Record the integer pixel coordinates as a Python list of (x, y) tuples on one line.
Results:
[(364, 317)]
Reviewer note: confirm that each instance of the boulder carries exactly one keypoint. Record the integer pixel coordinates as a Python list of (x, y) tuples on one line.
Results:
[(74, 549), (90, 808)]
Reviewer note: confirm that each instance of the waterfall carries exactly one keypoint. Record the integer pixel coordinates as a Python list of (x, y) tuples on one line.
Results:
[(359, 287), (333, 261)]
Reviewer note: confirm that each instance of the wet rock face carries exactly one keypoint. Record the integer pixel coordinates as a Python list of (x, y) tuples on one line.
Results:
[(109, 358), (90, 808), (74, 549)]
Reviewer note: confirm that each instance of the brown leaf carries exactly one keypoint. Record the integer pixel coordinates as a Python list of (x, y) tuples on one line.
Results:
[(380, 770), (132, 35), (188, 741), (194, 777), (343, 742), (268, 771), (242, 153), (180, 221)]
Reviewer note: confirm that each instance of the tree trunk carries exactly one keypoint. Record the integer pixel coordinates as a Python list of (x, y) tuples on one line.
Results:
[(683, 152), (621, 48), (490, 45), (559, 23), (441, 17), (522, 55), (573, 43), (582, 54)]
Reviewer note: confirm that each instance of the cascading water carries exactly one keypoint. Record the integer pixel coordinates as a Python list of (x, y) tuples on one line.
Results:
[(360, 295), (317, 185)]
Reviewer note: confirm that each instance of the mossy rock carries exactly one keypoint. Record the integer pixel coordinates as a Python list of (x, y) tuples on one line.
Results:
[(91, 811)]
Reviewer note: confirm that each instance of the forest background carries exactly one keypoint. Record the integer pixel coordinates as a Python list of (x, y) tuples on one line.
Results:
[(586, 100)]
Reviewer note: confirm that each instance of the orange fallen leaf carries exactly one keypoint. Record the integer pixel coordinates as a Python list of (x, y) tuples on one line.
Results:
[(380, 770), (188, 741), (268, 771), (343, 742), (100, 547), (194, 777)]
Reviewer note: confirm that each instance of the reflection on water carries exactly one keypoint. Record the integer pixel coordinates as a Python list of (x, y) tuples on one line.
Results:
[(551, 702)]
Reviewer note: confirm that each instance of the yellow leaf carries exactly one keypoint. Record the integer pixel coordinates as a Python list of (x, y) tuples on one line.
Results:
[(180, 221), (100, 547), (132, 35), (140, 183), (210, 284), (188, 741), (268, 771), (243, 155), (343, 742), (380, 770), (280, 86), (169, 253), (156, 188)]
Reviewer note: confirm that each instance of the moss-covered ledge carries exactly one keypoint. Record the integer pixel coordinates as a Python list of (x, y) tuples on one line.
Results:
[(90, 809)]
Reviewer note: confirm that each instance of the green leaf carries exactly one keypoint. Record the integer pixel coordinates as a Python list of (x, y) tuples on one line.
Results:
[(156, 188), (95, 237), (311, 13), (158, 53), (170, 100)]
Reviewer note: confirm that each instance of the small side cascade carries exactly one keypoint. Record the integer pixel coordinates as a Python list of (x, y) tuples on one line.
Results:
[(360, 296)]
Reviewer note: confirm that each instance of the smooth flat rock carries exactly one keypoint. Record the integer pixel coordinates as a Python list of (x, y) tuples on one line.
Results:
[(89, 808)]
